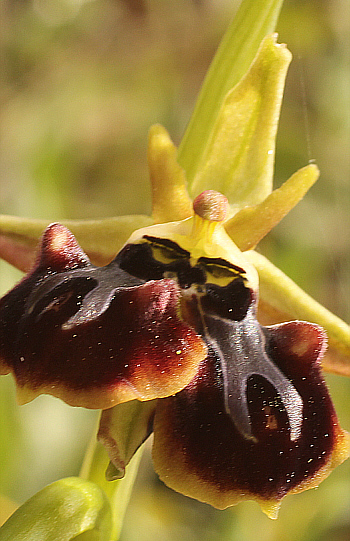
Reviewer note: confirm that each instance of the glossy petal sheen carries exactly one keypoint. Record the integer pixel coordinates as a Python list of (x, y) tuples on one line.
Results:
[(94, 336), (200, 451)]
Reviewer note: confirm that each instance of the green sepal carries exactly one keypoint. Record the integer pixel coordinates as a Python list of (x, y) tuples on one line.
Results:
[(68, 509), (252, 22), (123, 429), (238, 159), (280, 299), (100, 239)]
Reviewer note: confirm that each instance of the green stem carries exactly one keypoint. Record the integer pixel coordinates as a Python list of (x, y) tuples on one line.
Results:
[(118, 492)]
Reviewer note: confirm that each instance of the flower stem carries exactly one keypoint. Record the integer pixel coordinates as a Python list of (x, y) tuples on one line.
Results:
[(118, 492)]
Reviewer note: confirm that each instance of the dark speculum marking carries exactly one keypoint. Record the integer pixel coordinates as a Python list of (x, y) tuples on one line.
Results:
[(94, 288), (228, 302), (226, 320), (144, 261), (270, 465), (139, 260), (223, 315), (240, 345)]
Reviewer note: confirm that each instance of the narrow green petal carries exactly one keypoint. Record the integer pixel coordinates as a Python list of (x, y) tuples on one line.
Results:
[(252, 22), (238, 160), (63, 510), (100, 239), (281, 299), (251, 224), (170, 200)]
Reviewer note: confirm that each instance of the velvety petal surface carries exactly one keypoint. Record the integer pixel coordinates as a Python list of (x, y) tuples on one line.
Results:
[(94, 336), (201, 448)]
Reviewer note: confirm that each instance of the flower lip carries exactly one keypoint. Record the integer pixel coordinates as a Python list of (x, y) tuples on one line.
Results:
[(209, 453), (94, 336), (225, 318)]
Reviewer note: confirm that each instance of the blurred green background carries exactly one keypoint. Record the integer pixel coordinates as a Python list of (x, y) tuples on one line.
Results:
[(81, 83)]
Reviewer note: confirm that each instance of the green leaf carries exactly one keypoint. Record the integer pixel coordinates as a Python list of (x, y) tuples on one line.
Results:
[(253, 21), (68, 509), (238, 159)]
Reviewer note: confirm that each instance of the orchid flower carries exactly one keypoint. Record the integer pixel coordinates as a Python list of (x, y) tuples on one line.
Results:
[(172, 324)]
